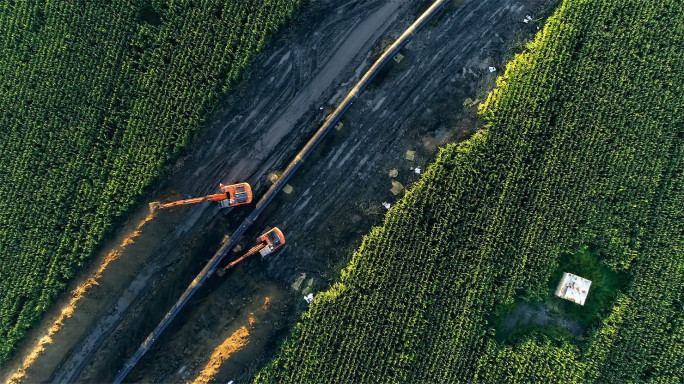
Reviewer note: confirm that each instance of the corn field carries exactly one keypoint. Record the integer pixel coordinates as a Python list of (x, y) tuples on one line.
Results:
[(584, 145)]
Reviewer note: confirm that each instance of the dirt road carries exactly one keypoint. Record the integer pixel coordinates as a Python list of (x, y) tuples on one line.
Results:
[(416, 105)]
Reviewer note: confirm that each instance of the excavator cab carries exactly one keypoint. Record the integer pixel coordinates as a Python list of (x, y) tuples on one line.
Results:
[(274, 239), (236, 194)]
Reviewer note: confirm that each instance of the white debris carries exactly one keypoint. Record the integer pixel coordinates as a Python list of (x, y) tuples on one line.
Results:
[(309, 298), (574, 288), (527, 19), (386, 205), (417, 170), (230, 382), (492, 69)]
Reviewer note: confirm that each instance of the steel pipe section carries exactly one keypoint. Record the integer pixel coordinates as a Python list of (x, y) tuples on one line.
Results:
[(282, 181)]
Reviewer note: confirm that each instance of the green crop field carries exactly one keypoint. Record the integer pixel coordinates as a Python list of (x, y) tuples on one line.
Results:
[(95, 98), (580, 167)]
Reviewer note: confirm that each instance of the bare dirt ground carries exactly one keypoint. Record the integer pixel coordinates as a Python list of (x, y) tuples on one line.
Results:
[(416, 104)]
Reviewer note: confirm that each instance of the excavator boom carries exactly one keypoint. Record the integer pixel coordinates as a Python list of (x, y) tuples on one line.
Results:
[(249, 253)]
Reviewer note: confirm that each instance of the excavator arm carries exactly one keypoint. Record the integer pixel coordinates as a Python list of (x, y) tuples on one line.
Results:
[(214, 197), (249, 253)]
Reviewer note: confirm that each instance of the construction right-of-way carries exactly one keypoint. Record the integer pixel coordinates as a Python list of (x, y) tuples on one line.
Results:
[(329, 123)]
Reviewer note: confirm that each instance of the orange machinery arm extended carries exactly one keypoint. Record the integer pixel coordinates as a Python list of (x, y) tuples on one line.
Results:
[(249, 253), (214, 197)]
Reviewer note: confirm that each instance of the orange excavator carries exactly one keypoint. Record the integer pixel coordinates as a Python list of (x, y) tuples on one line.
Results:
[(230, 196), (266, 244)]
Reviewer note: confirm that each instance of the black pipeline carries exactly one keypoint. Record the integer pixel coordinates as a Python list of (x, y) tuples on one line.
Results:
[(275, 188)]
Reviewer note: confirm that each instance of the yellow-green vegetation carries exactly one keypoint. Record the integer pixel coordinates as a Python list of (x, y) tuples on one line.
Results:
[(95, 98), (584, 145)]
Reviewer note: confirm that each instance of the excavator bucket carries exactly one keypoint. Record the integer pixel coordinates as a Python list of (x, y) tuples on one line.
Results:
[(154, 206)]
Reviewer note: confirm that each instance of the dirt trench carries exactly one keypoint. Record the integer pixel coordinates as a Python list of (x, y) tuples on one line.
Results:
[(415, 105)]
